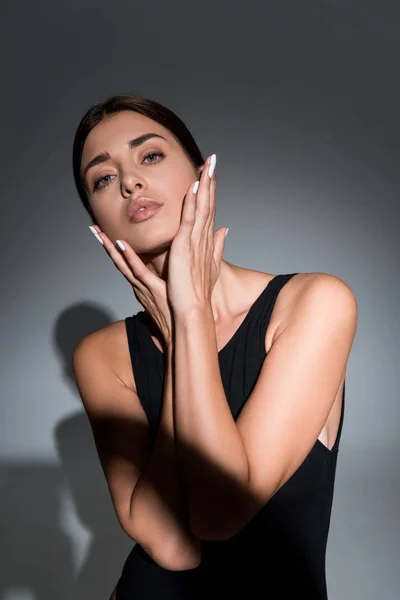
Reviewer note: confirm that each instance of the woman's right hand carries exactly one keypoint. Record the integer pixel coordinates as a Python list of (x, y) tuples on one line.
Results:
[(149, 289)]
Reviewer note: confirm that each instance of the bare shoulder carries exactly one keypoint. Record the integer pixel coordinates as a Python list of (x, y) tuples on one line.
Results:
[(316, 287), (111, 343), (119, 422)]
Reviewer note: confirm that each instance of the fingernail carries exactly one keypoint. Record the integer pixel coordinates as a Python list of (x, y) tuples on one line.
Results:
[(96, 235), (212, 165), (195, 187), (120, 244), (226, 233)]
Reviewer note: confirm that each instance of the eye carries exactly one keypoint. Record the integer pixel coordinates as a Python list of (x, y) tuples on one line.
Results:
[(98, 181), (160, 154)]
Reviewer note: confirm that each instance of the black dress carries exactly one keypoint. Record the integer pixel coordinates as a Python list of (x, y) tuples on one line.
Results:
[(280, 553)]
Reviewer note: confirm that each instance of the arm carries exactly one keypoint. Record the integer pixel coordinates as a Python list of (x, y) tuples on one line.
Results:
[(121, 435), (232, 469), (158, 501)]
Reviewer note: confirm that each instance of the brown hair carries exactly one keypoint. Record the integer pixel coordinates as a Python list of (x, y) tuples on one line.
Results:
[(114, 104)]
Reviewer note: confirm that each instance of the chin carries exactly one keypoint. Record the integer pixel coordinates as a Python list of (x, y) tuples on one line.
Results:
[(154, 249)]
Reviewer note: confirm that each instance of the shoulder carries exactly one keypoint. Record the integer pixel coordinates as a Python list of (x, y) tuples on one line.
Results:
[(316, 295), (110, 344)]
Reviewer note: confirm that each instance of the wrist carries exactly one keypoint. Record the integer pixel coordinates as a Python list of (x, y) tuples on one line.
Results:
[(193, 314)]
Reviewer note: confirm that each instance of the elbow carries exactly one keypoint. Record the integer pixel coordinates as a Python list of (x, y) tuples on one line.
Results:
[(174, 555), (181, 555)]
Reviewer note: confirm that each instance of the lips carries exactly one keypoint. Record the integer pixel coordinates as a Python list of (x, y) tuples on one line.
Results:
[(138, 203), (145, 213)]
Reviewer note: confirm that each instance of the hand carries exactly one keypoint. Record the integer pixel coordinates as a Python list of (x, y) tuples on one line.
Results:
[(196, 252), (149, 289)]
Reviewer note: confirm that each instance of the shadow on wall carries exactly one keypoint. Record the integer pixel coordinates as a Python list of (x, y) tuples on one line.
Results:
[(48, 510), (81, 470)]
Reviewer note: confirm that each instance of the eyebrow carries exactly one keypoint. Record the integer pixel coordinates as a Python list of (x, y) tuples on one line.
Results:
[(104, 156)]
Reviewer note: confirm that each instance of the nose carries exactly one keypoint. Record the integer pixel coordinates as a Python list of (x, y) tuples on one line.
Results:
[(130, 183)]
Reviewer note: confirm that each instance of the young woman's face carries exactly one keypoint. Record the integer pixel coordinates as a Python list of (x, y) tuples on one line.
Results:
[(157, 168)]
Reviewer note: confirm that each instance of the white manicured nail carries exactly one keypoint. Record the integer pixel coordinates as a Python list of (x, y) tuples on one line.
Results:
[(196, 187), (226, 232), (120, 244), (212, 165), (96, 235)]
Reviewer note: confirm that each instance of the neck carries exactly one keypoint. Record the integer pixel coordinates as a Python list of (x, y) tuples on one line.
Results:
[(226, 290)]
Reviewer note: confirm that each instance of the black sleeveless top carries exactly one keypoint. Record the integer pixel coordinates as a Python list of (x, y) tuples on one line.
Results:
[(281, 552)]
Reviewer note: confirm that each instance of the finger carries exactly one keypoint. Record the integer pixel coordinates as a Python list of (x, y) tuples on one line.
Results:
[(211, 196), (219, 245), (213, 187), (118, 258), (149, 286), (140, 271), (203, 201), (129, 263), (189, 210), (201, 169)]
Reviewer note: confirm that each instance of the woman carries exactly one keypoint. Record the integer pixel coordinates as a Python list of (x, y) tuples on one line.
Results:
[(217, 410)]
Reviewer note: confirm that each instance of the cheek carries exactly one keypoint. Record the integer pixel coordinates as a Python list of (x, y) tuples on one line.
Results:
[(108, 221), (178, 187)]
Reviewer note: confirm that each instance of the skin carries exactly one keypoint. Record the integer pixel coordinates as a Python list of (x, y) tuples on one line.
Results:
[(167, 179), (129, 174)]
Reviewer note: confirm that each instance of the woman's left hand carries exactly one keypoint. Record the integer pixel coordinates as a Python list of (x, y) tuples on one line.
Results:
[(196, 251)]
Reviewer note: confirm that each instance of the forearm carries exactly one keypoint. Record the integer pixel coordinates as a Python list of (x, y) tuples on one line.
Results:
[(158, 509), (210, 450)]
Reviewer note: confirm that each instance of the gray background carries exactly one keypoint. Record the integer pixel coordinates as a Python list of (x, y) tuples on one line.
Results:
[(300, 102)]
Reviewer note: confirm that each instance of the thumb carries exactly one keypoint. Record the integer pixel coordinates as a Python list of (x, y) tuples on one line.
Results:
[(219, 244)]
